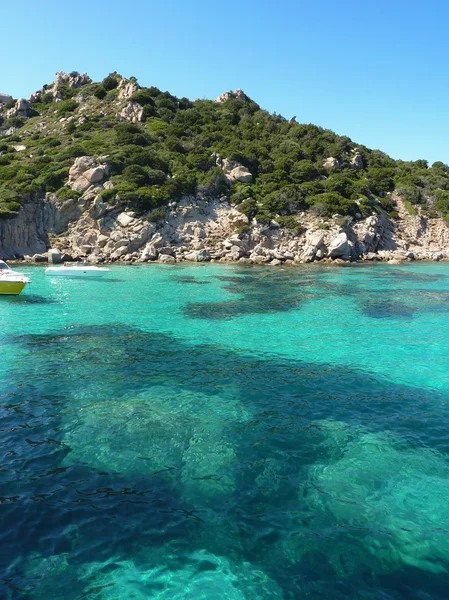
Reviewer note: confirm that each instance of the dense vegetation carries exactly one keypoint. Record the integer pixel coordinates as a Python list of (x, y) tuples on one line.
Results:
[(173, 153)]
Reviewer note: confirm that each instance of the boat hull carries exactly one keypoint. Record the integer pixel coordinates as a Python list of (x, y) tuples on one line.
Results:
[(12, 288)]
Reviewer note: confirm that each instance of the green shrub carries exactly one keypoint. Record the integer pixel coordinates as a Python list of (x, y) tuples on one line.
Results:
[(108, 195), (290, 223), (173, 154), (143, 97), (410, 208), (157, 214), (66, 107), (242, 229), (330, 203), (248, 207), (64, 193), (110, 82), (100, 92), (71, 127)]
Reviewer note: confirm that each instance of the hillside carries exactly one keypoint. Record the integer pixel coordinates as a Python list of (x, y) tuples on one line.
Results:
[(146, 154)]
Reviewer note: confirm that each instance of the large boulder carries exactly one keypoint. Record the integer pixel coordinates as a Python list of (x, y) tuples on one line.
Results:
[(339, 246), (94, 175), (4, 98), (331, 163), (166, 258), (241, 174), (86, 171), (198, 256), (314, 239), (356, 161), (125, 219), (21, 109), (54, 256), (133, 112)]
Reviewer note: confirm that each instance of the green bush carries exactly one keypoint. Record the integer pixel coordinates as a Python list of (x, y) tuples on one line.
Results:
[(410, 208), (157, 214), (100, 92), (64, 193), (143, 97), (108, 195), (66, 107), (110, 82), (248, 207), (291, 224), (173, 154)]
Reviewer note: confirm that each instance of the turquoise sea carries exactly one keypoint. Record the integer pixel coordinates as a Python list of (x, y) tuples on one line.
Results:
[(213, 432)]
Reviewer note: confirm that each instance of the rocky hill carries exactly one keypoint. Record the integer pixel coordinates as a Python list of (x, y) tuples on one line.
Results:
[(113, 171)]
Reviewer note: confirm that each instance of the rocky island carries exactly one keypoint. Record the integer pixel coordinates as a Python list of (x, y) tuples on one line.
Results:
[(113, 171)]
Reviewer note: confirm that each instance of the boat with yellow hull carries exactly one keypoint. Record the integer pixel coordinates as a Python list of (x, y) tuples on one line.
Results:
[(11, 282)]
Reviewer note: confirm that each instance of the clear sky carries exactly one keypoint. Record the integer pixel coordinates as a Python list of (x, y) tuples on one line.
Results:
[(375, 70)]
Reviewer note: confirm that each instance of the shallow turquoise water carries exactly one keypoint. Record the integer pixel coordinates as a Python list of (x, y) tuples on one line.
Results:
[(217, 432)]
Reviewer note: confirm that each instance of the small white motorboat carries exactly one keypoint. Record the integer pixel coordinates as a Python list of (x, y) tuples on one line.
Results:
[(77, 270), (11, 282)]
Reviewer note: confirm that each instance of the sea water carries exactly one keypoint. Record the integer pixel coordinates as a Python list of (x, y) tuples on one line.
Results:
[(206, 432)]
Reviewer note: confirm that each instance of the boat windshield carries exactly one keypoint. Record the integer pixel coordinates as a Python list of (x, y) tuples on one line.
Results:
[(4, 266)]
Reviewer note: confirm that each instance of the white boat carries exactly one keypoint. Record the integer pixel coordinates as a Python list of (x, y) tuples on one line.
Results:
[(77, 270), (11, 282)]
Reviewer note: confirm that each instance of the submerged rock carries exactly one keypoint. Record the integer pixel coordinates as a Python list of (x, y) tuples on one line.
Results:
[(156, 574), (378, 484)]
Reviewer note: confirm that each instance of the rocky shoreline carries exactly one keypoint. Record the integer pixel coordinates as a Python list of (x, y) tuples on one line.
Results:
[(203, 229)]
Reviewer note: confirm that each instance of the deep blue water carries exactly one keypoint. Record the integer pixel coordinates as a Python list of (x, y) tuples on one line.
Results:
[(214, 432)]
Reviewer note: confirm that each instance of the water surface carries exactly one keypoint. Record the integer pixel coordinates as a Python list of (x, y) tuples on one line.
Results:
[(217, 432)]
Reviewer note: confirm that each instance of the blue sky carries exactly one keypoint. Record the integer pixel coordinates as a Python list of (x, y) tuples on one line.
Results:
[(373, 70)]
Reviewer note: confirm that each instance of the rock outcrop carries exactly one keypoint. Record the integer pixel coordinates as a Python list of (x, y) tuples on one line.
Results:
[(4, 98), (126, 88), (202, 229), (238, 94), (331, 163), (22, 108), (133, 112), (86, 172), (73, 80)]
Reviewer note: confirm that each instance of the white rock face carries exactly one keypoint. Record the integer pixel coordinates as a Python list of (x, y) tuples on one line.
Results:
[(4, 98), (314, 240), (86, 171), (126, 89), (133, 112), (166, 258), (339, 246), (54, 256), (74, 81), (94, 175), (331, 163), (21, 109), (241, 174), (198, 256), (125, 219), (356, 161), (238, 94)]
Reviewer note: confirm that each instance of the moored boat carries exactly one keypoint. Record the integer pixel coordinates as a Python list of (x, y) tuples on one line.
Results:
[(12, 283), (77, 270)]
